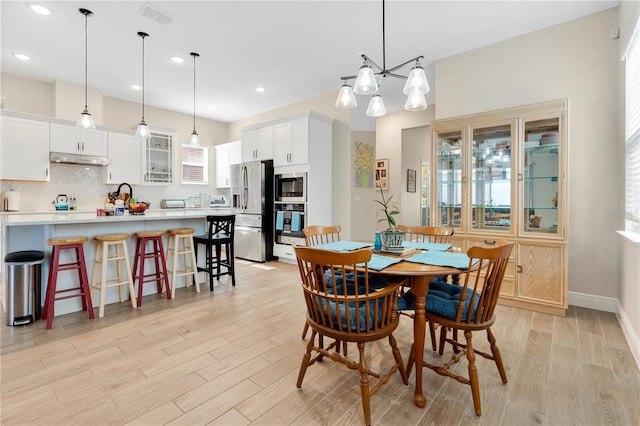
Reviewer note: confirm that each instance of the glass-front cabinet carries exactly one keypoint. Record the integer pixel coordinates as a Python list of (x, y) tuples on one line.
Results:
[(491, 182), (158, 158), (541, 175), (448, 191), (502, 175)]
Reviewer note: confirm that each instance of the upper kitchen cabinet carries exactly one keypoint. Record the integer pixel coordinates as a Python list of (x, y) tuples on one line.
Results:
[(124, 159), (226, 155), (24, 149), (157, 161), (72, 140), (257, 144), (502, 175), (291, 145)]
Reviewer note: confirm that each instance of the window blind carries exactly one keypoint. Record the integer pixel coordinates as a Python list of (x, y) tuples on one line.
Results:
[(632, 133)]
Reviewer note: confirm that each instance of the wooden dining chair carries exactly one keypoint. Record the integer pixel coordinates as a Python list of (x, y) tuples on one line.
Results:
[(468, 308), (426, 234), (319, 234), (356, 311)]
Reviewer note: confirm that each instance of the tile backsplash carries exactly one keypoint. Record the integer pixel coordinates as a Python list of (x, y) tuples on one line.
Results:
[(86, 184)]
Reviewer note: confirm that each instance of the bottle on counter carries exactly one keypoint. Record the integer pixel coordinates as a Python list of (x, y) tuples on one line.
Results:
[(119, 208)]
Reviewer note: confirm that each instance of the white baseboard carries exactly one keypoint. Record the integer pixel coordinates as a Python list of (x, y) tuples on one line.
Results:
[(609, 304), (632, 339)]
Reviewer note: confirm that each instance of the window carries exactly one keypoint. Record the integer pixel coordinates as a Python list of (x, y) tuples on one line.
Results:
[(195, 164), (632, 133)]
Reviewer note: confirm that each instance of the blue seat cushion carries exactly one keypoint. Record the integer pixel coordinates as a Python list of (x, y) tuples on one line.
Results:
[(376, 282), (442, 300)]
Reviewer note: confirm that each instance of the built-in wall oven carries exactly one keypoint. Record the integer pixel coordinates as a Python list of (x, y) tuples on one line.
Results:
[(290, 187), (289, 222)]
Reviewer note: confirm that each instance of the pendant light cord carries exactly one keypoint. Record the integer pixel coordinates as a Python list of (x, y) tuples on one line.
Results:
[(143, 35), (194, 90), (384, 50), (86, 54)]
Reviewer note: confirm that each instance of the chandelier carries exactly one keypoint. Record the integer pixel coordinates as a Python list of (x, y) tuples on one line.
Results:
[(368, 81)]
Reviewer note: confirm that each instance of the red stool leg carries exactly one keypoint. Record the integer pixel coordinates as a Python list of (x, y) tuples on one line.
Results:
[(142, 258), (156, 261), (85, 290), (51, 287), (163, 264)]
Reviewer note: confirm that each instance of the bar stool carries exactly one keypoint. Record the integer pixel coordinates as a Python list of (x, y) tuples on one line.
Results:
[(102, 259), (160, 275), (59, 244), (181, 242), (220, 234)]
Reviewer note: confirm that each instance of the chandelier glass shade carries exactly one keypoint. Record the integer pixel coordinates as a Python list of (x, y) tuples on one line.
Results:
[(143, 130), (193, 140), (370, 77), (86, 120)]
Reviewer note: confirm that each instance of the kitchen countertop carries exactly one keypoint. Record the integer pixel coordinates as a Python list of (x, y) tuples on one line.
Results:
[(72, 217)]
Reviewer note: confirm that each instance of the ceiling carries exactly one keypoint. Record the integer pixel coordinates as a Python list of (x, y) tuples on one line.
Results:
[(296, 50)]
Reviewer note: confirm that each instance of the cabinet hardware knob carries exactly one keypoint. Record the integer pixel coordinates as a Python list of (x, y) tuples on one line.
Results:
[(490, 243), (519, 269), (519, 177)]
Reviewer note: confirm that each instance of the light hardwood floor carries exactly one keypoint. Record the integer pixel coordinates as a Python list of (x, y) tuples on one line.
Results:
[(231, 358)]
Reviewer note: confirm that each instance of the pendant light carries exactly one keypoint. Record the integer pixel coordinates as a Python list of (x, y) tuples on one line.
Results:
[(346, 98), (371, 75), (85, 121), (193, 140), (142, 130)]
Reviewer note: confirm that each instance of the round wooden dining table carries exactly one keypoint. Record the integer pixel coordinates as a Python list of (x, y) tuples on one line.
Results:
[(419, 277)]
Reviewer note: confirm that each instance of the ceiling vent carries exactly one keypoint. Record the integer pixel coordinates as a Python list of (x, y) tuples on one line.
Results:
[(156, 14)]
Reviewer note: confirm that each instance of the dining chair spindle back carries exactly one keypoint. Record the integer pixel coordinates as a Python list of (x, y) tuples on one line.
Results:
[(349, 311)]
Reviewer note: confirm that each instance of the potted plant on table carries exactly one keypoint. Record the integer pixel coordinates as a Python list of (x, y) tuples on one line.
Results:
[(391, 237)]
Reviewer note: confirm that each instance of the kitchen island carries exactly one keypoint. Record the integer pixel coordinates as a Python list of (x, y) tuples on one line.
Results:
[(30, 231)]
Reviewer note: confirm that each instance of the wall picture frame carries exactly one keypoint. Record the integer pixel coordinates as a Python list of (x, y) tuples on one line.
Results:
[(411, 180), (382, 174)]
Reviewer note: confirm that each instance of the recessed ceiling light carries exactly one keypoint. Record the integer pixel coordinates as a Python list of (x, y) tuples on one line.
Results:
[(177, 59), (213, 107), (259, 89), (21, 56), (40, 9), (136, 87)]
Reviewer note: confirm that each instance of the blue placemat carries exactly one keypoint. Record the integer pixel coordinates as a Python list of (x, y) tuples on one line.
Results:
[(343, 245), (438, 258), (378, 263), (427, 246)]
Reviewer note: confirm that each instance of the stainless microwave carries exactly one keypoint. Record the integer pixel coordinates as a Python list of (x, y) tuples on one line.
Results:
[(290, 187)]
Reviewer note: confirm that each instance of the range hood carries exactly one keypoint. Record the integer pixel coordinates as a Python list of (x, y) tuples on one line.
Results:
[(87, 160)]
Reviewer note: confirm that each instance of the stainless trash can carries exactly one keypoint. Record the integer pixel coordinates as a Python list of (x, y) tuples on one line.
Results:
[(24, 282)]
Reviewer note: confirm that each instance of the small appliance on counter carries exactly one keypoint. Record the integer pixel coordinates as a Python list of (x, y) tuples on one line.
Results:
[(11, 201), (219, 201), (61, 202), (173, 204)]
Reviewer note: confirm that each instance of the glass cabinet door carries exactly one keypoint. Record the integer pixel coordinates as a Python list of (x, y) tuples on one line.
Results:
[(491, 186), (159, 159), (541, 165), (448, 191)]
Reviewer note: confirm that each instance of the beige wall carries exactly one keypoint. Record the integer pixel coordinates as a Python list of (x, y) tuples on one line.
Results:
[(389, 144), (363, 216), (27, 95), (576, 60), (416, 148)]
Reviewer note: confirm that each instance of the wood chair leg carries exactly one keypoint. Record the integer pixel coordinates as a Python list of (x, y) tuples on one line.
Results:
[(305, 329), (398, 357), (432, 331), (496, 355), (411, 360), (473, 374), (364, 385), (306, 360)]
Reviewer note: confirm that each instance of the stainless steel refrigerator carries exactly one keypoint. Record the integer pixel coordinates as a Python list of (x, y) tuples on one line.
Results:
[(252, 195)]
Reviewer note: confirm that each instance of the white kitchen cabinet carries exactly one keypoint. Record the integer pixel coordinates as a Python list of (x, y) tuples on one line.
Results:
[(257, 144), (24, 149), (73, 140), (235, 153), (125, 158), (291, 142), (157, 159), (223, 165)]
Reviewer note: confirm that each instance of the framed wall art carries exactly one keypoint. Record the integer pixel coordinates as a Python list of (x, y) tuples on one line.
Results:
[(411, 180), (382, 174)]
